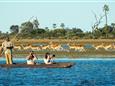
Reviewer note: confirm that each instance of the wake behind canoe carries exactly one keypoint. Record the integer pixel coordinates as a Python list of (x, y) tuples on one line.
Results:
[(54, 65)]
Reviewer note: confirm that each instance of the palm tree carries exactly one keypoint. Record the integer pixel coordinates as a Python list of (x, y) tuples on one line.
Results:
[(106, 9)]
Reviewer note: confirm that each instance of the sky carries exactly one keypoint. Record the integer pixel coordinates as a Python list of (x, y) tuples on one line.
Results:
[(73, 13)]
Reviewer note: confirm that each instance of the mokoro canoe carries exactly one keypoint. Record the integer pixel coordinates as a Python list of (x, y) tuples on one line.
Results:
[(41, 65)]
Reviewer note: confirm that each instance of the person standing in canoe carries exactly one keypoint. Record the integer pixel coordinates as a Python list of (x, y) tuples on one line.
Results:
[(6, 48)]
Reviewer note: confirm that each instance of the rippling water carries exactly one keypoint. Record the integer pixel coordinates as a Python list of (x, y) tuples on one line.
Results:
[(83, 73)]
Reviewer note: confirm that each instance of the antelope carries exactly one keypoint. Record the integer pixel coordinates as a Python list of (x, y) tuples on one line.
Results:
[(45, 47), (113, 46), (58, 47), (17, 47), (35, 48), (72, 47), (77, 47), (99, 46), (55, 47), (108, 47), (27, 47)]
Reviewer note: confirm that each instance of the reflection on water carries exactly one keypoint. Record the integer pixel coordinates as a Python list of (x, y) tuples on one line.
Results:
[(83, 73)]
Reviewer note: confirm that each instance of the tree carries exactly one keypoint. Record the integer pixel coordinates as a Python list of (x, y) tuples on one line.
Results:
[(113, 25), (107, 30), (62, 25), (0, 32), (37, 33), (78, 32), (54, 26), (70, 34), (14, 29), (97, 33), (58, 32), (106, 9), (98, 21), (35, 24), (47, 28), (26, 27)]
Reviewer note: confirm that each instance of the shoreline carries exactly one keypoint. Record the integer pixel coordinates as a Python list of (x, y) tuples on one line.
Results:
[(72, 55), (65, 59), (68, 57)]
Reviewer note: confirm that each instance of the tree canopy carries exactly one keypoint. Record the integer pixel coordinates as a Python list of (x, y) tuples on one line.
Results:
[(31, 29)]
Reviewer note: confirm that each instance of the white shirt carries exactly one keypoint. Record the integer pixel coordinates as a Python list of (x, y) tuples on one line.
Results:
[(6, 44), (30, 62)]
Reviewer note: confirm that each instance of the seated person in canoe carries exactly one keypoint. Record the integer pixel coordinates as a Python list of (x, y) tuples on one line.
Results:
[(31, 58), (48, 59)]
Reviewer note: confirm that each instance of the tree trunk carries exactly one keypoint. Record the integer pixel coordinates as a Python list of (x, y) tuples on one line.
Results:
[(106, 17)]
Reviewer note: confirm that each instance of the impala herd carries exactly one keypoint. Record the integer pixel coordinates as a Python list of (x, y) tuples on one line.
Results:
[(59, 47)]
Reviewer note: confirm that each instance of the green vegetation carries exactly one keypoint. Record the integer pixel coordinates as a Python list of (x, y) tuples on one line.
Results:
[(31, 30)]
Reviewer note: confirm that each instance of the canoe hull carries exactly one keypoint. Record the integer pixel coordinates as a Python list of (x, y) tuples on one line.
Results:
[(54, 65)]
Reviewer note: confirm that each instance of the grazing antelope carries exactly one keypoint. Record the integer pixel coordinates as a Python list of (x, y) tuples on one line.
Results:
[(17, 47), (108, 47), (99, 46), (35, 47), (113, 46), (55, 46), (27, 47), (45, 47), (72, 46), (58, 48), (31, 47), (77, 47)]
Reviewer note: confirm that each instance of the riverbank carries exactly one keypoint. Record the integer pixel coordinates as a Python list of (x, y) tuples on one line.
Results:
[(62, 41), (72, 54), (66, 52)]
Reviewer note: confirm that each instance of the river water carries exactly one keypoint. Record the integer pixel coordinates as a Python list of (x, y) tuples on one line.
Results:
[(85, 72)]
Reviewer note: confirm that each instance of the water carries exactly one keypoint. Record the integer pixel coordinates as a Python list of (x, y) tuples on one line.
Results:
[(83, 73)]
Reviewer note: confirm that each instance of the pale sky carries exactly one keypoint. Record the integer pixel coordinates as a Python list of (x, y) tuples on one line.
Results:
[(75, 13)]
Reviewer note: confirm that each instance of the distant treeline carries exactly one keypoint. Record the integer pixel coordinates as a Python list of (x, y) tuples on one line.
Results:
[(31, 30)]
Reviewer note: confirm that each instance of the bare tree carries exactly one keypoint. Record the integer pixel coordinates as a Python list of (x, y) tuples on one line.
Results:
[(98, 21), (35, 23)]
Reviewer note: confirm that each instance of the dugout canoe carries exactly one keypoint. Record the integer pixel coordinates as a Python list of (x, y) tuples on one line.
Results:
[(41, 65)]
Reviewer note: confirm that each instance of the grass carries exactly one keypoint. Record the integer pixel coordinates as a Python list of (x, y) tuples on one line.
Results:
[(70, 54)]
